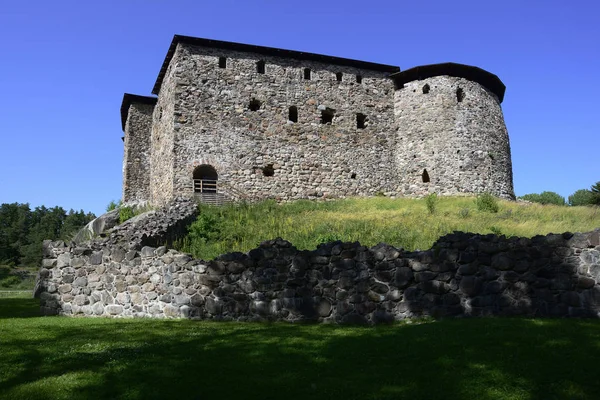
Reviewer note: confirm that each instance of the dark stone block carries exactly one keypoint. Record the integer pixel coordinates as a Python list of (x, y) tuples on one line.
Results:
[(468, 269), (344, 307), (412, 294), (403, 277), (365, 308), (435, 287), (379, 288), (382, 317), (324, 308), (384, 276), (214, 306), (585, 282), (354, 319), (451, 299), (493, 287), (510, 276), (425, 276), (571, 299), (562, 282), (96, 258), (131, 254), (147, 251), (466, 258), (470, 285)]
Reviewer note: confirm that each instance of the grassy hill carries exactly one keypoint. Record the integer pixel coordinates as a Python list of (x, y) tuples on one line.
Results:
[(406, 223)]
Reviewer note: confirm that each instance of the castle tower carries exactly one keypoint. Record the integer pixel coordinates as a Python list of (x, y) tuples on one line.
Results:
[(451, 133), (136, 120)]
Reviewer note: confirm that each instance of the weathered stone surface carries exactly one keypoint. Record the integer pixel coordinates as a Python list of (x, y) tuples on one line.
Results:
[(114, 309), (63, 260), (96, 258)]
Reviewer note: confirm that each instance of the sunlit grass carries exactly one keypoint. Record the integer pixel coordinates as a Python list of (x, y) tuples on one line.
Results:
[(405, 223)]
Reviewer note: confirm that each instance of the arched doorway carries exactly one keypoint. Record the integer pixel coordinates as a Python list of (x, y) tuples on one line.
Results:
[(205, 179)]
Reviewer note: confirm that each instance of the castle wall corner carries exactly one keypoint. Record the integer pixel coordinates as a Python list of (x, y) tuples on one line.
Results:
[(136, 157)]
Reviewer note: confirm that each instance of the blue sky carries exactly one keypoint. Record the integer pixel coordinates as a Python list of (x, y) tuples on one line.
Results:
[(64, 66)]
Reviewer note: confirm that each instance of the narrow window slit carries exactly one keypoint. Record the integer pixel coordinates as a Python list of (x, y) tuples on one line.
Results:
[(361, 120), (260, 67), (338, 76), (358, 78), (293, 114), (460, 95), (425, 176), (222, 62), (307, 73)]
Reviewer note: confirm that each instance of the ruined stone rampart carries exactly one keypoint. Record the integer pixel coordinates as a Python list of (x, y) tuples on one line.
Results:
[(463, 274)]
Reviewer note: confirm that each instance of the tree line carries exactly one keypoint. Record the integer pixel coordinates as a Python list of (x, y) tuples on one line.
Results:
[(22, 231), (581, 197)]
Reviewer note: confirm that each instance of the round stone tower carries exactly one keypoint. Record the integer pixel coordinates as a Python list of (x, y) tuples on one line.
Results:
[(451, 133)]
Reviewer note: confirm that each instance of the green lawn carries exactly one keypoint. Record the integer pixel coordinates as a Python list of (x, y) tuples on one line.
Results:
[(69, 358)]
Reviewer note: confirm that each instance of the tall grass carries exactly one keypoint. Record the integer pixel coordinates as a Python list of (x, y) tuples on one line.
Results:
[(405, 223)]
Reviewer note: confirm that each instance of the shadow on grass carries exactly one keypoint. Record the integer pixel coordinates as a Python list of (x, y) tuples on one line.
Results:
[(19, 307), (450, 359)]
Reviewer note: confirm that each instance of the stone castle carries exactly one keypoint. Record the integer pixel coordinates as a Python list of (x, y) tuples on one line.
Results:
[(234, 121)]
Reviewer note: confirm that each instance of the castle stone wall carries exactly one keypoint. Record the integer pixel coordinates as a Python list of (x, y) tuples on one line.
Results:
[(214, 125), (463, 145), (136, 159), (462, 275), (343, 130), (163, 139)]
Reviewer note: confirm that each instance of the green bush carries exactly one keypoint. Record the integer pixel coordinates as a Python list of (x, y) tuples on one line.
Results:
[(581, 197), (545, 198), (9, 281), (487, 203), (125, 213), (431, 202)]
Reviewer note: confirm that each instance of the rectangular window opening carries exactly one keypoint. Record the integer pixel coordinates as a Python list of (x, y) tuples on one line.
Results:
[(293, 114), (361, 120), (327, 116), (222, 62), (260, 67), (307, 73)]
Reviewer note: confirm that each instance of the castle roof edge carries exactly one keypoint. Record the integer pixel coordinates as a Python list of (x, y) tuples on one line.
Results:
[(129, 99), (271, 51), (476, 74)]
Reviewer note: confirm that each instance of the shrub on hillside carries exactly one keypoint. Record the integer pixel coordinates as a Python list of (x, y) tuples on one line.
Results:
[(487, 203), (545, 198), (125, 213), (581, 197), (431, 202)]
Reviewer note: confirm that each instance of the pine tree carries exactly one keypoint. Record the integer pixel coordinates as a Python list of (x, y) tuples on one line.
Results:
[(595, 189)]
